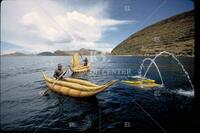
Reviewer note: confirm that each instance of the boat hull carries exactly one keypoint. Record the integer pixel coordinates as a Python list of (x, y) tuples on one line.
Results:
[(75, 87), (142, 85), (80, 69)]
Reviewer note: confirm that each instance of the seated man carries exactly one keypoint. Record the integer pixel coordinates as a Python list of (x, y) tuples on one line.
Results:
[(85, 61), (58, 72)]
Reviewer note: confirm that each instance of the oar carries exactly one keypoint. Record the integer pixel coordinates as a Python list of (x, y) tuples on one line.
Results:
[(45, 93)]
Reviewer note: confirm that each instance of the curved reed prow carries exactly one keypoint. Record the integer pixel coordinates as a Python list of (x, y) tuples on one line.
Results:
[(110, 83)]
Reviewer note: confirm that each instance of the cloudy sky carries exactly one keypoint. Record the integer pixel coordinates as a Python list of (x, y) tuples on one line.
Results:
[(33, 26)]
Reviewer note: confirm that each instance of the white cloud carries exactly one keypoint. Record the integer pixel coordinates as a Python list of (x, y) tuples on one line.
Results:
[(41, 28)]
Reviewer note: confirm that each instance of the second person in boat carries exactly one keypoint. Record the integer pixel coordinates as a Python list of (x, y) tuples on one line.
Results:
[(85, 61)]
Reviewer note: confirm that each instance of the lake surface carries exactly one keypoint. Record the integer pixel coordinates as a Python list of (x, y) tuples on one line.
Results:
[(119, 108)]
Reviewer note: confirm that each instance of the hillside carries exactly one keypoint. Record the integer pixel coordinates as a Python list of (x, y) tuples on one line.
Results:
[(175, 34)]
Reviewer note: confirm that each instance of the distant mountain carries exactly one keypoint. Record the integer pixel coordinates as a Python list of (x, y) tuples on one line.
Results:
[(64, 53), (81, 51), (46, 54), (175, 34), (89, 52), (59, 53), (15, 54)]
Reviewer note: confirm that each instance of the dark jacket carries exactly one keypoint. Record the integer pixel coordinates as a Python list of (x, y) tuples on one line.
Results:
[(57, 74), (86, 62)]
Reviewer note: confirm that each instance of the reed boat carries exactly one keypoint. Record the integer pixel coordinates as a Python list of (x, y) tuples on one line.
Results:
[(143, 84), (75, 87), (80, 69), (76, 67)]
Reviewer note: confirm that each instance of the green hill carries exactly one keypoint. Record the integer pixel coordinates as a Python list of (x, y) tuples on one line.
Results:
[(175, 34)]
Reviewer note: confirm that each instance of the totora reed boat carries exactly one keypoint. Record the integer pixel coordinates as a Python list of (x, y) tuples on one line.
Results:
[(143, 84), (75, 87), (76, 67)]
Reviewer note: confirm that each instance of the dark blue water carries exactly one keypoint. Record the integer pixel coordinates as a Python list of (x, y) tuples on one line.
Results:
[(119, 108)]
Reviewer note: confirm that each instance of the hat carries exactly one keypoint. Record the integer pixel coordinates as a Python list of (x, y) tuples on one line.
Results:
[(59, 65)]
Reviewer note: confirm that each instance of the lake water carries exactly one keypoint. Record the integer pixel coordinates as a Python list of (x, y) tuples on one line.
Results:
[(119, 108)]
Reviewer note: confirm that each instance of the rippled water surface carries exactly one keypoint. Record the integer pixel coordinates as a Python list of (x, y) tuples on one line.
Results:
[(118, 108)]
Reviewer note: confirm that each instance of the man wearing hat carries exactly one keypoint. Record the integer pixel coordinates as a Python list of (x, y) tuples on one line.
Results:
[(58, 72)]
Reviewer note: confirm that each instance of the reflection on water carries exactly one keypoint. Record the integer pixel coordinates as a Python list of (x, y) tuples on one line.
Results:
[(115, 109)]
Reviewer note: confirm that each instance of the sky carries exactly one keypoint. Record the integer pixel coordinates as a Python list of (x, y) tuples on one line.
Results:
[(33, 26)]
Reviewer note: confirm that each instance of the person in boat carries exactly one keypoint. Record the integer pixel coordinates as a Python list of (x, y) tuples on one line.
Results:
[(58, 72), (85, 61)]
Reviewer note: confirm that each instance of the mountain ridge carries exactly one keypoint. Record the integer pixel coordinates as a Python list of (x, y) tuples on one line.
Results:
[(174, 34), (82, 51)]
